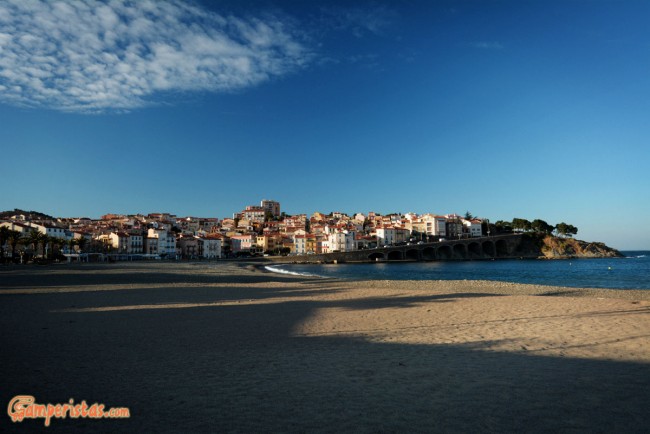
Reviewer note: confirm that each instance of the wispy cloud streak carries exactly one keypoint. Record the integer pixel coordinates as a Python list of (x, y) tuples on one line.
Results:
[(488, 45), (92, 56)]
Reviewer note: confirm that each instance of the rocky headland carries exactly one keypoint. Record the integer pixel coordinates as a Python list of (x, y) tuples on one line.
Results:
[(550, 247)]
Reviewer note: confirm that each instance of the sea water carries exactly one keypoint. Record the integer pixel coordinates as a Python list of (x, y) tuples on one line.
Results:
[(630, 272)]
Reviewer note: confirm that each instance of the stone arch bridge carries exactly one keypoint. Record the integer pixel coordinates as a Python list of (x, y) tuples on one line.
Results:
[(495, 247)]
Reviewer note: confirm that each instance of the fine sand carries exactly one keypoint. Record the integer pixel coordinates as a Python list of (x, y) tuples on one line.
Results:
[(230, 348)]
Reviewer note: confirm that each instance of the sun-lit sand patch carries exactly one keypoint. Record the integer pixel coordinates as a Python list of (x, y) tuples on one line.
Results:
[(553, 326)]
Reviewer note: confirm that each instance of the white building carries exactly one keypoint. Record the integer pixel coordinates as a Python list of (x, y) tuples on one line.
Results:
[(473, 227), (119, 241), (253, 214), (160, 242), (209, 248), (53, 231), (23, 228), (339, 241), (27, 227), (300, 244), (388, 235), (435, 225), (336, 242)]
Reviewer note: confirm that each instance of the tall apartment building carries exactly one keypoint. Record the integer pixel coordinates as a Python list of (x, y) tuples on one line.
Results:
[(271, 206)]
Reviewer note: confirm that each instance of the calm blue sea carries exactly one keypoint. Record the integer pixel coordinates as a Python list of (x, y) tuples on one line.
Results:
[(631, 272)]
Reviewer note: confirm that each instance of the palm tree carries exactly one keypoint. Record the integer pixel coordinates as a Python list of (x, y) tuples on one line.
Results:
[(81, 242), (35, 238), (14, 238), (4, 235), (47, 241), (71, 243), (57, 244)]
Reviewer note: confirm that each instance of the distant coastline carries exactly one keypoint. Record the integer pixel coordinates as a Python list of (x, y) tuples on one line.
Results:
[(510, 246), (629, 273)]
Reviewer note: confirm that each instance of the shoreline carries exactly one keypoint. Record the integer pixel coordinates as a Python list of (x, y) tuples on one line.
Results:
[(244, 267), (505, 287)]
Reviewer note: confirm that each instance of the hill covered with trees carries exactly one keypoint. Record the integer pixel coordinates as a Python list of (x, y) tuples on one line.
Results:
[(29, 215)]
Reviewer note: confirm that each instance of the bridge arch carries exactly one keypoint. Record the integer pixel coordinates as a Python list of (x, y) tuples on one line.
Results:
[(488, 249), (412, 254), (395, 255), (460, 251), (502, 248), (474, 250), (376, 255), (428, 253), (444, 252)]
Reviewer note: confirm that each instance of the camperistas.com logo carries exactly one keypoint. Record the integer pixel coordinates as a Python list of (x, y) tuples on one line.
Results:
[(23, 407)]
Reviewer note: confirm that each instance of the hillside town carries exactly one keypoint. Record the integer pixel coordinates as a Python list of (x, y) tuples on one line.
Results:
[(255, 231)]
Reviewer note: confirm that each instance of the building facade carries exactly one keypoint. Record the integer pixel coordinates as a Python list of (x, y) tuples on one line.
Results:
[(271, 206)]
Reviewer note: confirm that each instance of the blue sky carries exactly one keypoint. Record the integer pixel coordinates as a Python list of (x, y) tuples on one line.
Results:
[(504, 109)]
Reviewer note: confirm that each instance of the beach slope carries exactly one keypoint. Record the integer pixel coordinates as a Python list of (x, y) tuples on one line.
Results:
[(226, 348)]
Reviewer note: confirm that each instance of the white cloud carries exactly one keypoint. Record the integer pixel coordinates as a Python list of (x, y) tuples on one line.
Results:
[(93, 56)]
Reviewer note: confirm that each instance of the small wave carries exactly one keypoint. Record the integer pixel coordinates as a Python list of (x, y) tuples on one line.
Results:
[(293, 273)]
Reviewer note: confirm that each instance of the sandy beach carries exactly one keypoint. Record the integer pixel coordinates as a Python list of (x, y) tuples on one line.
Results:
[(227, 347)]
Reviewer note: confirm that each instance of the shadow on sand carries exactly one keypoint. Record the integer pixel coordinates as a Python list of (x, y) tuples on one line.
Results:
[(242, 368), (145, 273)]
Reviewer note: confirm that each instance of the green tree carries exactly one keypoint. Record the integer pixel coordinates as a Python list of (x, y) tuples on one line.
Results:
[(569, 230), (57, 245), (14, 238), (541, 226), (4, 236), (566, 230), (521, 225), (573, 230), (503, 226), (71, 243), (81, 242), (35, 238), (47, 242), (468, 215)]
